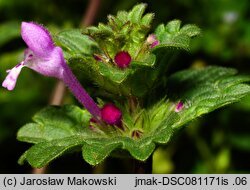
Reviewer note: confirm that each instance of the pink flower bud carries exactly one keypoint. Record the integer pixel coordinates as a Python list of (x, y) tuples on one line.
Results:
[(179, 106), (155, 43), (152, 40), (123, 59), (111, 115)]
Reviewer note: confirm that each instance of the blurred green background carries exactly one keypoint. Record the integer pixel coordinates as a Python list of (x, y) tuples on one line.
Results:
[(216, 143)]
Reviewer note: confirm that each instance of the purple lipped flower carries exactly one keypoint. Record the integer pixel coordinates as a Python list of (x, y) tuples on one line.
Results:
[(47, 59), (41, 55), (123, 59), (179, 106), (152, 40)]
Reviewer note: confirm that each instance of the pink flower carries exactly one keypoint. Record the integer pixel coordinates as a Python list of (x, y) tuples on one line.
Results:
[(41, 55), (47, 59), (152, 40)]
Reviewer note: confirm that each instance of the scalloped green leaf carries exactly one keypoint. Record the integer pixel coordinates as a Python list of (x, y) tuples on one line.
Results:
[(175, 36), (204, 90), (122, 16), (136, 13), (147, 19), (149, 61), (191, 30), (95, 151), (55, 123), (115, 80), (42, 153), (22, 158), (140, 149), (74, 42), (173, 26), (114, 74)]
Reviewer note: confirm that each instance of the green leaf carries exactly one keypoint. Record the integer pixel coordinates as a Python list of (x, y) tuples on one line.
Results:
[(115, 80), (173, 26), (96, 150), (42, 153), (147, 19), (204, 90), (22, 158), (75, 43), (140, 149), (173, 36), (112, 73), (136, 13), (191, 30), (55, 123), (122, 17)]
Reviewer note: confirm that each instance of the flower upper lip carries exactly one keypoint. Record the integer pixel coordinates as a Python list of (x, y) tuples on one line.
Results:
[(37, 38)]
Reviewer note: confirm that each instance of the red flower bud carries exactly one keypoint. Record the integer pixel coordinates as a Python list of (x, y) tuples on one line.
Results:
[(111, 115), (123, 59)]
